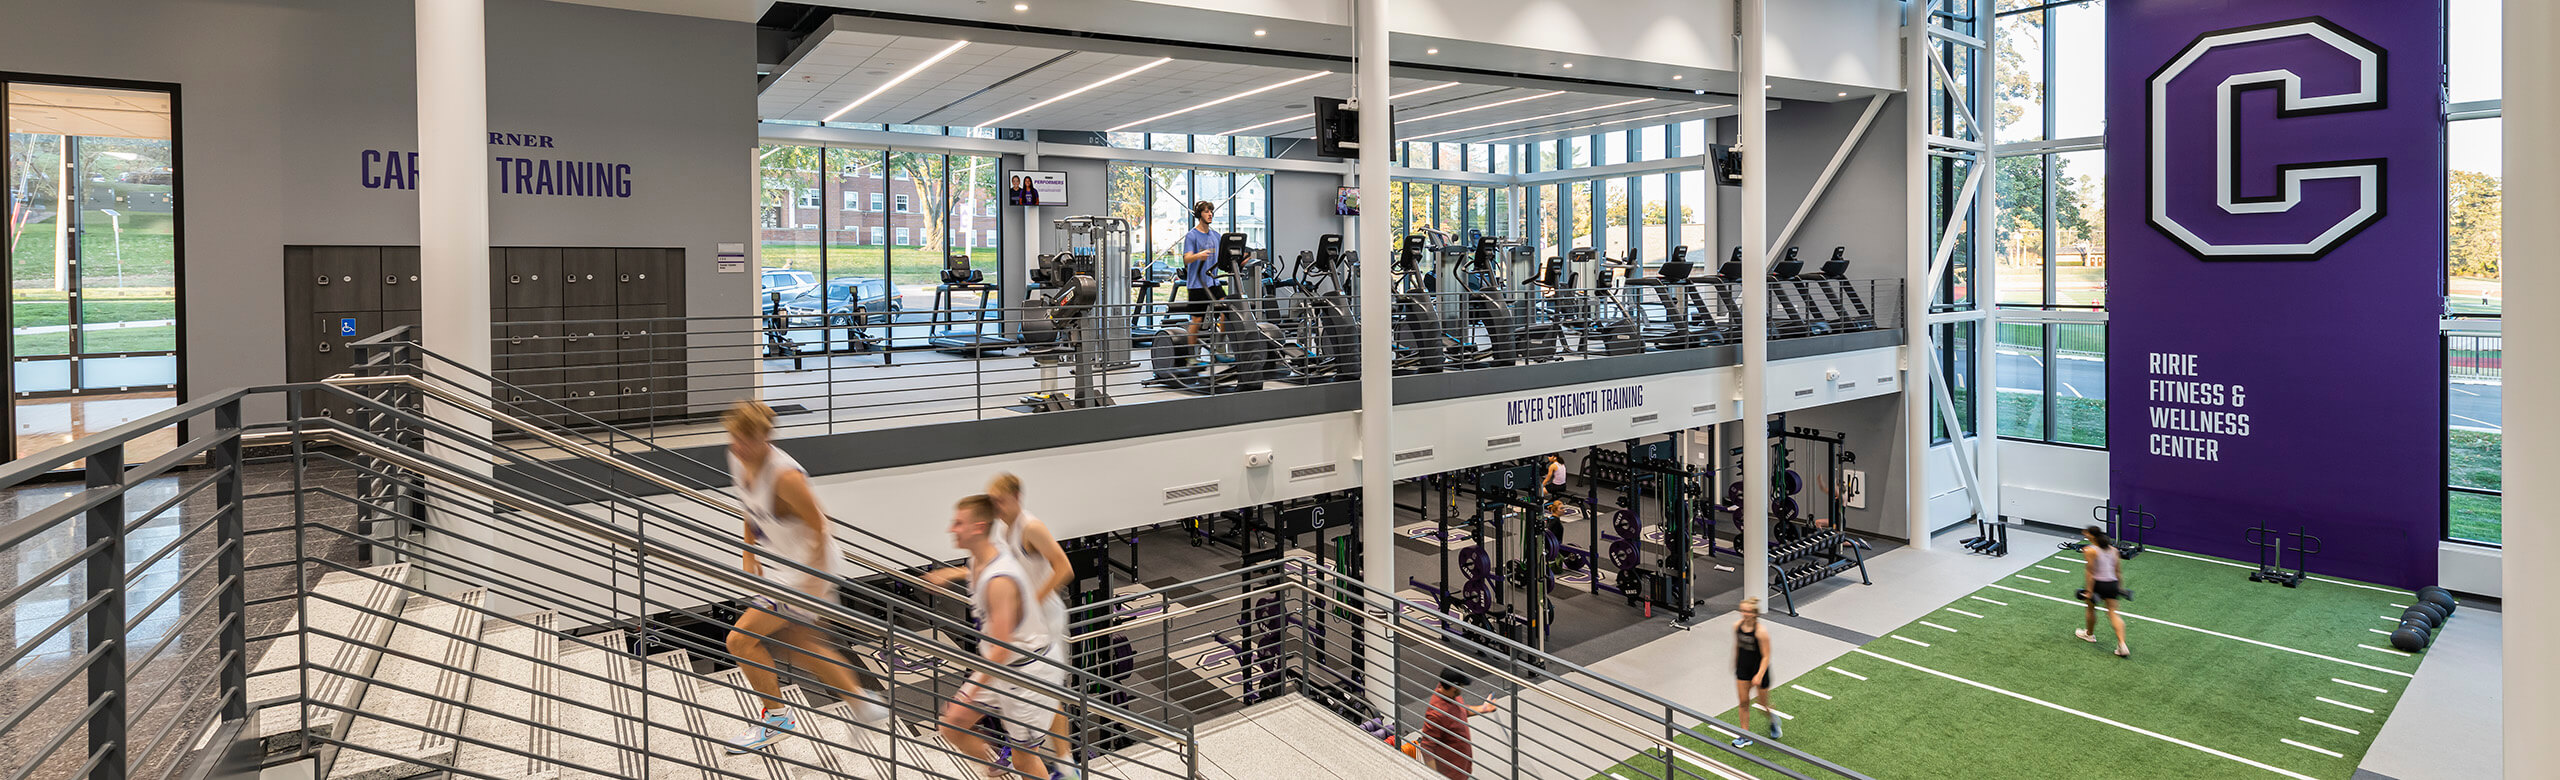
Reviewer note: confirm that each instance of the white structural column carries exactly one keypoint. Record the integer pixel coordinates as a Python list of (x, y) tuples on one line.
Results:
[(453, 193), (1985, 281), (2532, 362), (1377, 374), (1915, 275), (1753, 136)]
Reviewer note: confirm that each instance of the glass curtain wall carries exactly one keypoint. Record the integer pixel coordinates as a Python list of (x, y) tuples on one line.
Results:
[(866, 230), (2049, 230), (2474, 296), (93, 251), (1157, 202)]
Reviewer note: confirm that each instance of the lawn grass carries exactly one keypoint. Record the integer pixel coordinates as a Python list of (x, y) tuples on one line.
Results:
[(2213, 690), (907, 264), (149, 252), (2475, 517), (2075, 420)]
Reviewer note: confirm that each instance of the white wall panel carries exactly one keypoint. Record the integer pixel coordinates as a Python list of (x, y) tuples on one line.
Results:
[(2051, 484)]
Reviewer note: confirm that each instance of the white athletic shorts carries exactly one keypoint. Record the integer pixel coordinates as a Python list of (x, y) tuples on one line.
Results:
[(1026, 713)]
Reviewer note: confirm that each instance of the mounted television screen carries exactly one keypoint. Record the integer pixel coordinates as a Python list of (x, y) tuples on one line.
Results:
[(1035, 188), (1346, 201), (1336, 125)]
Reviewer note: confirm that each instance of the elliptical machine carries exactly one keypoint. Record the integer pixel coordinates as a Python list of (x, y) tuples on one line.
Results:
[(1235, 353), (1318, 340), (1417, 328)]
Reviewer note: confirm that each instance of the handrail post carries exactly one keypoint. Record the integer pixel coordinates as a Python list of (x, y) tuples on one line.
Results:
[(106, 586), (230, 537)]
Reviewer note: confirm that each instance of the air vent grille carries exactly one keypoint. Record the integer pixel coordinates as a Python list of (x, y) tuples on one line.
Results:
[(1190, 492), (1577, 429), (1312, 472), (1703, 409), (1510, 440), (1409, 456), (1804, 392), (1848, 384), (1643, 419)]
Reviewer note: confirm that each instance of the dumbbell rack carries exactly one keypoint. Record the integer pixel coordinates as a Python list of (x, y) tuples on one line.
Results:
[(1800, 564)]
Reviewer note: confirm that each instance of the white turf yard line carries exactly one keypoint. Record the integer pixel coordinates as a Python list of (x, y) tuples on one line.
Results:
[(2097, 718), (2038, 579), (2357, 685), (2399, 606), (1964, 613), (1910, 640), (1851, 675), (2320, 750), (2268, 645), (2344, 704), (1823, 696), (2053, 569), (2389, 618), (2393, 591), (2326, 725), (2379, 631), (1939, 627), (2387, 650), (1979, 598)]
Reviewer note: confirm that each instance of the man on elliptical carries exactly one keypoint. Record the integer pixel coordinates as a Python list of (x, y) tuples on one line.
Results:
[(1199, 282)]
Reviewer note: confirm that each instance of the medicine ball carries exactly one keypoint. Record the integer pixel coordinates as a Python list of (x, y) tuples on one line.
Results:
[(2409, 639)]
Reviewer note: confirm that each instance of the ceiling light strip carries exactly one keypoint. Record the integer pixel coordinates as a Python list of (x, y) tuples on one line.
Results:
[(954, 48), (1236, 96), (1077, 91), (1530, 119), (1311, 117), (1598, 124), (1496, 104)]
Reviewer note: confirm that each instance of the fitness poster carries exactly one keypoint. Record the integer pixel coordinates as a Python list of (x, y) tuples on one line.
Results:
[(2276, 272)]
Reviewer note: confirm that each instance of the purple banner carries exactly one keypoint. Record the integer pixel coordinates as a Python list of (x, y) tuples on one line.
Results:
[(2275, 180)]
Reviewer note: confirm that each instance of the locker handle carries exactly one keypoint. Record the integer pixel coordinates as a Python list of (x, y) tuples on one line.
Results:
[(390, 278), (626, 277), (324, 346), (324, 280), (515, 279)]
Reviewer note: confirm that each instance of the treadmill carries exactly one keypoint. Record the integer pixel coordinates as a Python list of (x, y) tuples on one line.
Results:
[(986, 324)]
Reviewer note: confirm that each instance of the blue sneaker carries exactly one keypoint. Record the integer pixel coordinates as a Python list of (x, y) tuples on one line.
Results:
[(1742, 742), (777, 724)]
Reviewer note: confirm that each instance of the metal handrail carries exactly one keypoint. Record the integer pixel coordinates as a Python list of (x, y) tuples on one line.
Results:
[(366, 444), (1390, 614)]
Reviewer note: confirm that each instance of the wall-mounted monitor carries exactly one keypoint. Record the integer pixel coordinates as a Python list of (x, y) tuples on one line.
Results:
[(1035, 188), (1346, 201)]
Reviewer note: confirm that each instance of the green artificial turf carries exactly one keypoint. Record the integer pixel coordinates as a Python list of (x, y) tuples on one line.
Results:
[(2214, 690)]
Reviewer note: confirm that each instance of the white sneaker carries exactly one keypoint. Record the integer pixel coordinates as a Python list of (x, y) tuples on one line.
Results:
[(868, 709), (777, 724), (2084, 635)]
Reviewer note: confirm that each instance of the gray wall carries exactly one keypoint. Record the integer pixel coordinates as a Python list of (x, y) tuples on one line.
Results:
[(1863, 208), (1874, 435), (279, 99)]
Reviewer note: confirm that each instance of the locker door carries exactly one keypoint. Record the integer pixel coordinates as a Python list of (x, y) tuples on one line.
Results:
[(588, 352), (346, 278), (533, 278), (331, 332), (650, 352), (587, 277), (400, 278), (526, 357), (642, 275)]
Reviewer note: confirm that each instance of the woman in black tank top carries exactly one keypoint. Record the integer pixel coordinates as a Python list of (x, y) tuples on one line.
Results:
[(1751, 654)]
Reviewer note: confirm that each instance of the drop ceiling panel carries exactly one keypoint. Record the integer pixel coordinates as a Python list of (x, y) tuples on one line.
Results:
[(984, 81)]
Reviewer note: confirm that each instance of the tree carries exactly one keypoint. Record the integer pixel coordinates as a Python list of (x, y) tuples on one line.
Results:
[(781, 173), (1654, 214), (2472, 240)]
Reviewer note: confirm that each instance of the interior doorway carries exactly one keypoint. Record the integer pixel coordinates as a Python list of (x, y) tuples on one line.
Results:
[(92, 239)]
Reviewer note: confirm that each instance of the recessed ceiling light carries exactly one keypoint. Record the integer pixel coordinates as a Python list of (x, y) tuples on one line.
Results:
[(1568, 64), (1844, 94), (955, 47), (1430, 51), (1020, 7), (1675, 77), (1260, 33), (1237, 96), (1077, 91)]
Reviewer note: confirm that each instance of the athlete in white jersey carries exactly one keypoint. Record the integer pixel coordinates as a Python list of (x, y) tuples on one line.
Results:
[(998, 586), (1046, 564), (783, 523)]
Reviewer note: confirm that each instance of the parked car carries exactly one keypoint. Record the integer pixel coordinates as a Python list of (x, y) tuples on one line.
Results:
[(845, 302), (790, 282)]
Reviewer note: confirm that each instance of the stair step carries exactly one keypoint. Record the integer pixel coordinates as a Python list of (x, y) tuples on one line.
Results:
[(673, 719), (845, 749), (726, 694), (338, 669), (513, 655), (1288, 737), (594, 731), (447, 635)]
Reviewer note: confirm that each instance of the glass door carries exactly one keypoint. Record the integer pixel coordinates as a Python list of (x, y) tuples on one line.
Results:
[(93, 259)]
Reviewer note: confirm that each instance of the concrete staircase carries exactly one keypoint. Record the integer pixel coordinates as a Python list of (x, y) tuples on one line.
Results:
[(514, 697), (1289, 738)]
